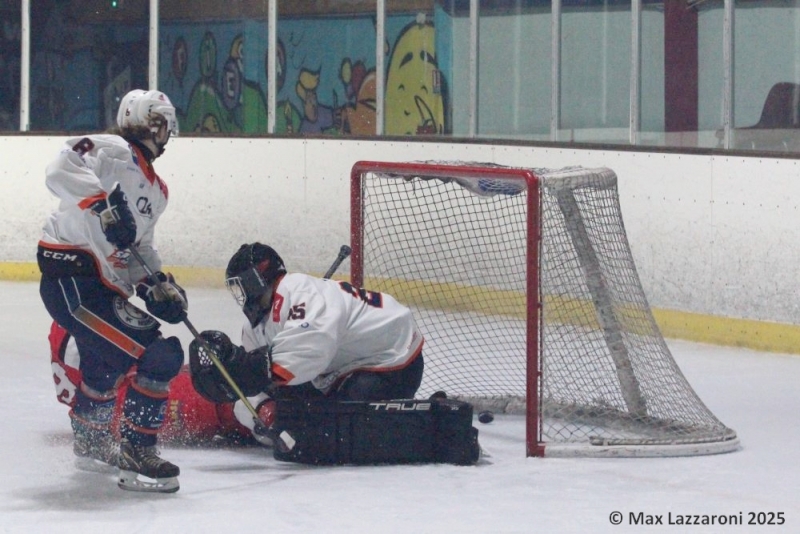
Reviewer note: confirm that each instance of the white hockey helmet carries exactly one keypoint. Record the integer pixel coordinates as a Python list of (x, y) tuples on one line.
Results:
[(125, 102), (142, 108)]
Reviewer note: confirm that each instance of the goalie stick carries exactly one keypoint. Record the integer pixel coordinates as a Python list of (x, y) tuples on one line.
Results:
[(344, 252)]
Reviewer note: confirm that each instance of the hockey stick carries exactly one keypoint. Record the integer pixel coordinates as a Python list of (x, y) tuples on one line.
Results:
[(344, 252), (259, 426)]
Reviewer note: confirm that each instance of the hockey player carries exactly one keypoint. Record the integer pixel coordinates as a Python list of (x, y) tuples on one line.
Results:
[(323, 350), (110, 200), (325, 338), (189, 418)]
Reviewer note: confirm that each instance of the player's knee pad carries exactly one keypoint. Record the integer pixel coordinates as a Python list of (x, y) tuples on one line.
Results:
[(393, 432), (162, 360)]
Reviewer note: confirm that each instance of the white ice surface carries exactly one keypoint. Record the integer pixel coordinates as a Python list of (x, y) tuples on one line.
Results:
[(246, 491)]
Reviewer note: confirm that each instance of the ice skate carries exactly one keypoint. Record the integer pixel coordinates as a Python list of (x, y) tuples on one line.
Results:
[(95, 449), (141, 469)]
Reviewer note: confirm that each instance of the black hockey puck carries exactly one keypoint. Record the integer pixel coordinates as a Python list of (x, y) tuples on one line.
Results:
[(486, 417)]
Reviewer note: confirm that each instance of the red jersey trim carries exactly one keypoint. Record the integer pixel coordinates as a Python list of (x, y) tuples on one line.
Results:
[(149, 172)]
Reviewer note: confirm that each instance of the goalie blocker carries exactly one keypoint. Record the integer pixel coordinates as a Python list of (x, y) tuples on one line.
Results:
[(326, 432)]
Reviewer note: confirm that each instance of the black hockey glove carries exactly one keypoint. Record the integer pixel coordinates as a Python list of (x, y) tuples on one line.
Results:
[(116, 218), (166, 300), (251, 371)]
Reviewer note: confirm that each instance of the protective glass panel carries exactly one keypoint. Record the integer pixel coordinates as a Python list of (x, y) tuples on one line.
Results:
[(766, 111), (10, 53), (514, 51), (710, 79), (326, 68), (595, 72), (213, 64), (84, 60)]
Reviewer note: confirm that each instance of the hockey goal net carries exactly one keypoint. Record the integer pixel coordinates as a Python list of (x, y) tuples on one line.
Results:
[(525, 288)]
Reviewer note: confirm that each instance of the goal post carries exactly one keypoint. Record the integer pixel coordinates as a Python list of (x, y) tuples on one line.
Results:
[(523, 283)]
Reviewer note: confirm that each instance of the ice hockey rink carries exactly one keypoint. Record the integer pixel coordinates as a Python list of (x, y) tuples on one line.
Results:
[(246, 490)]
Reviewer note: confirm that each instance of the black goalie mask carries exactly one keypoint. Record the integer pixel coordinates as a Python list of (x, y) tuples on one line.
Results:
[(249, 276)]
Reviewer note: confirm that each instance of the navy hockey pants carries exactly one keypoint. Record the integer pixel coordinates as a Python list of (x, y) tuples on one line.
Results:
[(111, 333)]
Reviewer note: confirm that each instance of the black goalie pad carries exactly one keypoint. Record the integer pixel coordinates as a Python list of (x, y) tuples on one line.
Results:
[(326, 432)]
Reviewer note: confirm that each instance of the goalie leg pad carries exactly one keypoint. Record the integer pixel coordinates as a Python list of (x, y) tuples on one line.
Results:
[(325, 432)]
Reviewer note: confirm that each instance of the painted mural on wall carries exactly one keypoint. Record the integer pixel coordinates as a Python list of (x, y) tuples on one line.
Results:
[(326, 78), (414, 97), (215, 72)]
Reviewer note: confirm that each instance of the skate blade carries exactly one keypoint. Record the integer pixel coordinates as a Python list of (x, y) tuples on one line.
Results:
[(94, 466), (132, 481)]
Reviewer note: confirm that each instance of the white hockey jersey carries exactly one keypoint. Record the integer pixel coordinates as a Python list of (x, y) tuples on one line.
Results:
[(84, 172), (321, 330)]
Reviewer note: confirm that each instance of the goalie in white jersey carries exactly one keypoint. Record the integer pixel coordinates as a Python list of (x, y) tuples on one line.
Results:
[(308, 337), (110, 200)]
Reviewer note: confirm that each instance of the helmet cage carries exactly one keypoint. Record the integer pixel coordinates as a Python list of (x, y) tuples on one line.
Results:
[(247, 289), (250, 275)]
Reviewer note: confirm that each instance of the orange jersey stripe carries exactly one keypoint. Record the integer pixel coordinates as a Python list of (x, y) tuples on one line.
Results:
[(283, 375), (393, 368), (109, 332), (88, 201)]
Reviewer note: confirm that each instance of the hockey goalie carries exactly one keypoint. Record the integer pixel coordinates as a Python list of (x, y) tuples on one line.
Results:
[(332, 371)]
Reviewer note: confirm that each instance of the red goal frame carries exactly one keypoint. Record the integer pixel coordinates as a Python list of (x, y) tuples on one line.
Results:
[(533, 431)]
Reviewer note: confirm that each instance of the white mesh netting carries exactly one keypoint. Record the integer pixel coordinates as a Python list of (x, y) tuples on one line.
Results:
[(453, 243)]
